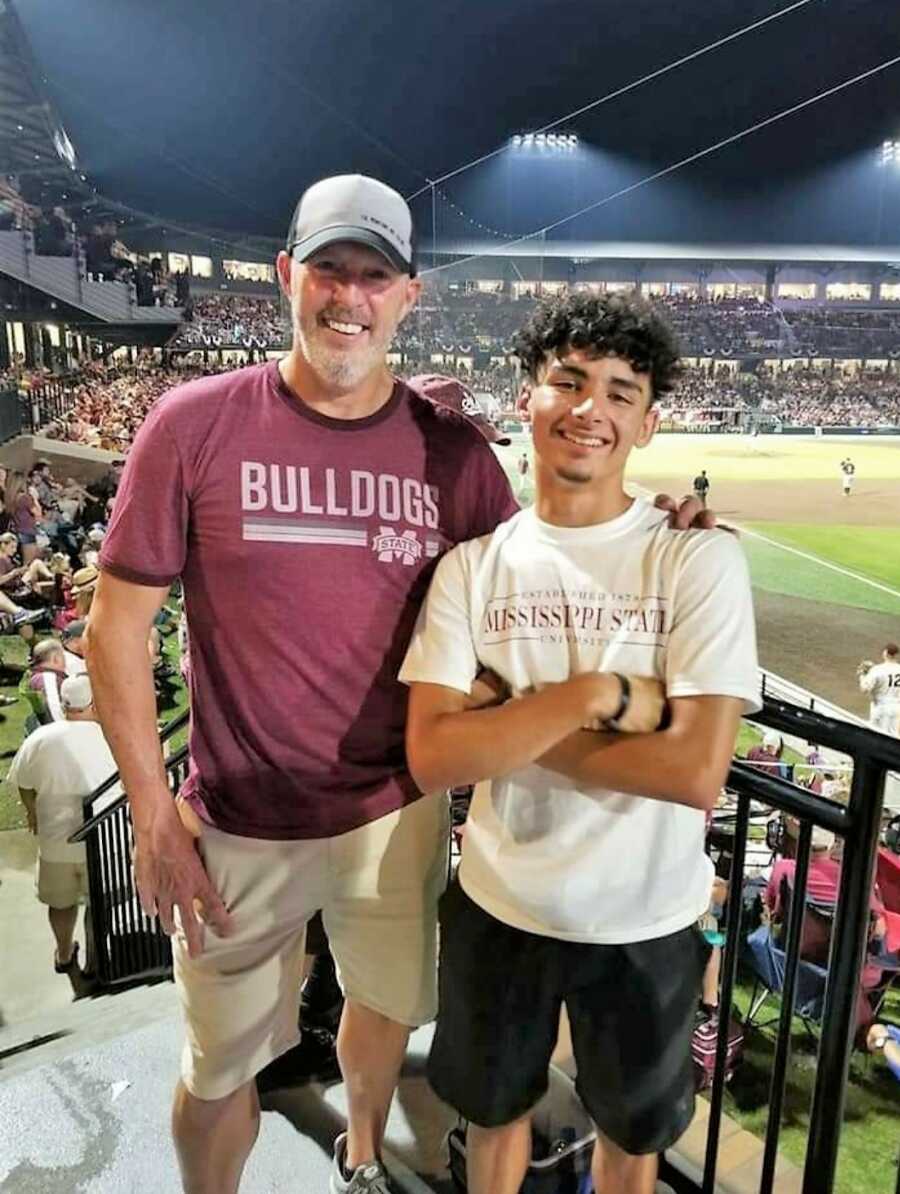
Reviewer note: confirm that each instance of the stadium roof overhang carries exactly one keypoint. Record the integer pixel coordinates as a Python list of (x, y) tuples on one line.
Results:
[(702, 255), (34, 146)]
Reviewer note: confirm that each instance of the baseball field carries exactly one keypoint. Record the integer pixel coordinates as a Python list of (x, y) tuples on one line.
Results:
[(825, 567)]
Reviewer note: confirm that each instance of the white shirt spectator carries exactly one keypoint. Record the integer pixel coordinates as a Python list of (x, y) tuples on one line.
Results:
[(62, 763), (75, 665)]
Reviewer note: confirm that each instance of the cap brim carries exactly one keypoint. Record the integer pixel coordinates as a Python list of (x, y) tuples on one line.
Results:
[(302, 249)]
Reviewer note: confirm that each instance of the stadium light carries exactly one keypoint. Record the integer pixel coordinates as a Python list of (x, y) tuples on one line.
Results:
[(545, 143), (890, 153)]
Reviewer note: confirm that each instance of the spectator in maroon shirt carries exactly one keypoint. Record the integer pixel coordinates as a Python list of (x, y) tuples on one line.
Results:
[(23, 511), (767, 756), (823, 885), (47, 674)]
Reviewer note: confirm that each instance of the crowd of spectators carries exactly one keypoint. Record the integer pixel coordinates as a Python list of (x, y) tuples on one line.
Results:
[(826, 398), (807, 397), (107, 412), (484, 324), (820, 332), (238, 320)]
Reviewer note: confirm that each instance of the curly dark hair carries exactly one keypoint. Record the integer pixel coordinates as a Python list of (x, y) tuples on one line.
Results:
[(620, 324)]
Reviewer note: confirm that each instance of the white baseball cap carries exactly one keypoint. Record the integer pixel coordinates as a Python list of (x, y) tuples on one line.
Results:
[(75, 692), (356, 208), (822, 838)]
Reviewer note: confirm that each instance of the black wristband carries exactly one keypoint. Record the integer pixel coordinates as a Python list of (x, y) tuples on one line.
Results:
[(612, 723)]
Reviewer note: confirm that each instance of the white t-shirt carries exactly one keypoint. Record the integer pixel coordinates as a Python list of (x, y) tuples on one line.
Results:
[(62, 762), (75, 664), (882, 683), (539, 603)]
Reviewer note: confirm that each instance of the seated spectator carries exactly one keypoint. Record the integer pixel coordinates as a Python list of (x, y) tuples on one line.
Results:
[(12, 615), (73, 645), (55, 768), (767, 756), (822, 888), (48, 671), (84, 584), (885, 1039), (10, 571)]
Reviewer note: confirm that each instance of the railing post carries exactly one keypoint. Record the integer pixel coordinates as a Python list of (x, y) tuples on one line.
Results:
[(788, 998), (844, 966), (726, 995), (97, 909)]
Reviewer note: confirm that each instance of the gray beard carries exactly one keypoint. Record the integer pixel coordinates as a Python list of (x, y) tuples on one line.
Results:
[(343, 371)]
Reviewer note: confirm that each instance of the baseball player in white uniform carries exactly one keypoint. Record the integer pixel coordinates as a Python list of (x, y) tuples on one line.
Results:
[(882, 682)]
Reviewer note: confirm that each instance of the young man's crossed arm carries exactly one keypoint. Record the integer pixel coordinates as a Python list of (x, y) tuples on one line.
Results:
[(449, 743)]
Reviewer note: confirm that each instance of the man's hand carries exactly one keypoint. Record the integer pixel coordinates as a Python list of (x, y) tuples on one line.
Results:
[(170, 874), (487, 690), (688, 514)]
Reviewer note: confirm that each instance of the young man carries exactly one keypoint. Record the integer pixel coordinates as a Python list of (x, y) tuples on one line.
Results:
[(583, 870), (848, 475)]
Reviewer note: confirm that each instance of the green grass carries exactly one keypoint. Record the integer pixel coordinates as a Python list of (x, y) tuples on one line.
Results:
[(869, 1139), (868, 551), (776, 571)]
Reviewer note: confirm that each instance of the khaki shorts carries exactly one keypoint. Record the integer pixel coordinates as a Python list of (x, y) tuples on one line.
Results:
[(377, 887), (61, 884)]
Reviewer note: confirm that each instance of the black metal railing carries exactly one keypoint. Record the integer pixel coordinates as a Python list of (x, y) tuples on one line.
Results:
[(10, 415), (857, 824), (46, 403), (128, 946)]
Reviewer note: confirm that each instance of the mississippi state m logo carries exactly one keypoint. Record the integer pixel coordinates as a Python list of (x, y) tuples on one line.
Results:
[(389, 545)]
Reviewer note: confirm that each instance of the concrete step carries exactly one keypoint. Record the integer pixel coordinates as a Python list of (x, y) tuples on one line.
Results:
[(97, 1122), (80, 1024)]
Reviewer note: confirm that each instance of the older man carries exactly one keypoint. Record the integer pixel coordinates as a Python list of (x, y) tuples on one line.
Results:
[(55, 768), (48, 673)]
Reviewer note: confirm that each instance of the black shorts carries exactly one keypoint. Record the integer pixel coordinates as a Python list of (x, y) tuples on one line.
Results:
[(631, 1009)]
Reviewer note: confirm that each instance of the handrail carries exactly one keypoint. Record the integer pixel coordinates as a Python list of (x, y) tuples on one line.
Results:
[(98, 819), (92, 821), (790, 798), (822, 729), (873, 754)]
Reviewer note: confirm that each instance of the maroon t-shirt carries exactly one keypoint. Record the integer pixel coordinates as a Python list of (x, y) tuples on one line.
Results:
[(305, 545), (23, 515)]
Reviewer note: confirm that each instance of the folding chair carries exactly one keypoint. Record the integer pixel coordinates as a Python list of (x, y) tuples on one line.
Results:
[(768, 962)]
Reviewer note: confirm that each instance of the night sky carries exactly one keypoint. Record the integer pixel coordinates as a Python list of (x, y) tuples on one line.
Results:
[(220, 112)]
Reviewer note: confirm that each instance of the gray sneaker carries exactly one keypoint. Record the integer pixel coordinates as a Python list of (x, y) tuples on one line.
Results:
[(370, 1178)]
